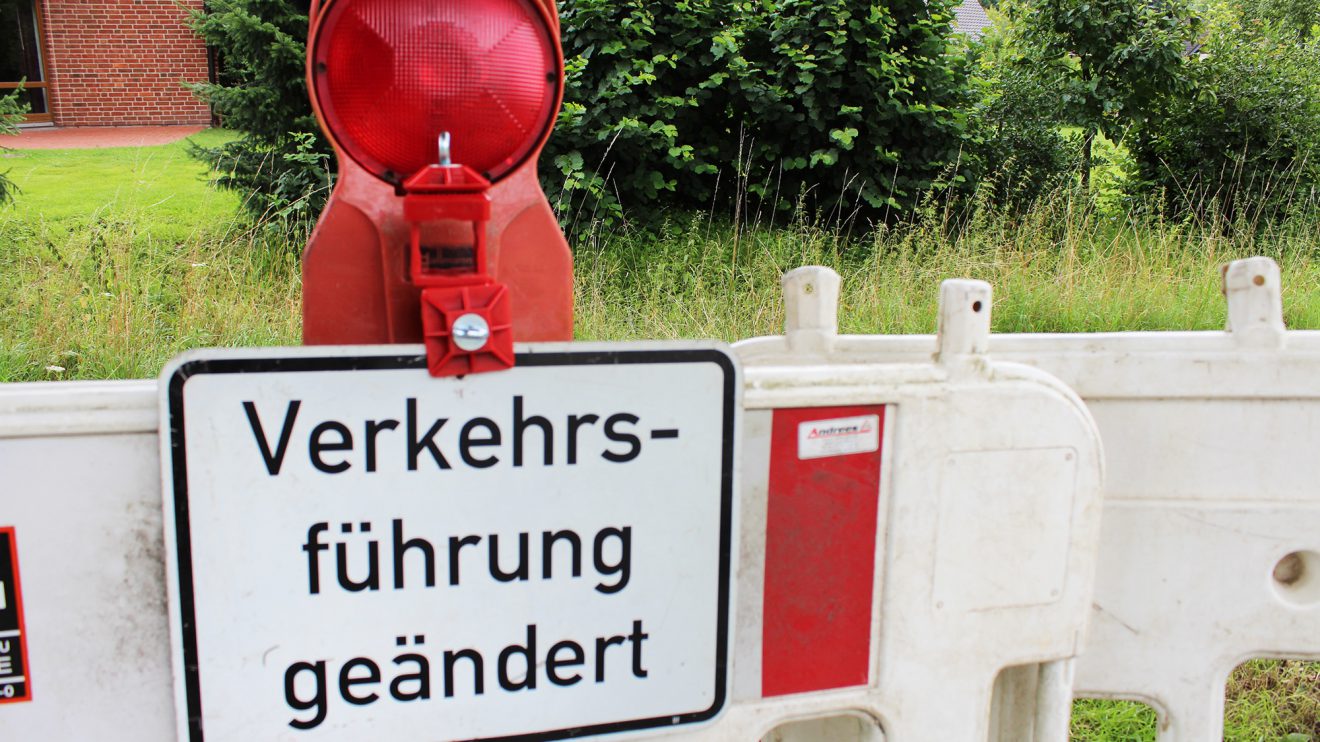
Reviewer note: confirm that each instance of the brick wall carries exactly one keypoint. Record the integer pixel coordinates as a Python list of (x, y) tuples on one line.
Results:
[(122, 62)]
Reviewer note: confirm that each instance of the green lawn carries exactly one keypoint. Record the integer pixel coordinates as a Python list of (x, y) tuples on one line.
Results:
[(160, 189), (115, 260)]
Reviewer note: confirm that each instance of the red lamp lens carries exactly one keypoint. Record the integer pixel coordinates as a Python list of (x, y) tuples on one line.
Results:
[(391, 75)]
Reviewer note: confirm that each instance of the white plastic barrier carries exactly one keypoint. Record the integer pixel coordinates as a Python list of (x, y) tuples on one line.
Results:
[(80, 486), (936, 589), (984, 541), (1210, 553)]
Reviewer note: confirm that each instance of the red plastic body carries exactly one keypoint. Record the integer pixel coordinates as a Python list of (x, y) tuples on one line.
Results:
[(819, 560), (358, 285)]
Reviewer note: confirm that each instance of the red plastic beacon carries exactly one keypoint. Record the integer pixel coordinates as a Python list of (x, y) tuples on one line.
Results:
[(437, 229)]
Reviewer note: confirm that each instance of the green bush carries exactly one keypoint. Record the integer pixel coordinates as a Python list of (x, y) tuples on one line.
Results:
[(1297, 16), (1023, 156), (11, 113), (870, 101), (1245, 143), (847, 109), (281, 160), (648, 90)]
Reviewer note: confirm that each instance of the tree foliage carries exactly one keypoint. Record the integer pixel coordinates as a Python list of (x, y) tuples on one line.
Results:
[(872, 97), (841, 105), (281, 160), (1106, 60), (12, 109), (648, 90), (1301, 17)]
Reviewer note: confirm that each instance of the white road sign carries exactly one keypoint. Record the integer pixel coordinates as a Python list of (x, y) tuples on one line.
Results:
[(360, 551)]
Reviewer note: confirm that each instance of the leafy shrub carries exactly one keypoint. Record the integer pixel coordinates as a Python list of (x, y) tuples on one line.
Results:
[(11, 113), (281, 161), (648, 92), (1246, 144), (1022, 154), (847, 108), (869, 101)]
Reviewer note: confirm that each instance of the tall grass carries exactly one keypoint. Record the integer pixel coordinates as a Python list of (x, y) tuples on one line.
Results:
[(1273, 700), (1061, 267), (113, 280), (111, 303)]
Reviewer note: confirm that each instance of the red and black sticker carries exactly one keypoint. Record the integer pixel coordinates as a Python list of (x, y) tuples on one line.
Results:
[(14, 685)]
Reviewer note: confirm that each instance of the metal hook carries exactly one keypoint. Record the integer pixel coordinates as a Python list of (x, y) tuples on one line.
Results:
[(443, 146)]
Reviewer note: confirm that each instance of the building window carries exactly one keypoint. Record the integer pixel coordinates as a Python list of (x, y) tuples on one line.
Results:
[(21, 59)]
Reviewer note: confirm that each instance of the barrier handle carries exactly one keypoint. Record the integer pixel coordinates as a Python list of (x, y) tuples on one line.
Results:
[(1254, 290), (811, 309), (964, 322)]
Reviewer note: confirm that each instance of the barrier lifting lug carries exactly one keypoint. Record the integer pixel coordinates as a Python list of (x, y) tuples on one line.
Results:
[(467, 323)]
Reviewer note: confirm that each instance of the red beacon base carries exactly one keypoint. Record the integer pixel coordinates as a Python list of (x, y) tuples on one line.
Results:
[(467, 321)]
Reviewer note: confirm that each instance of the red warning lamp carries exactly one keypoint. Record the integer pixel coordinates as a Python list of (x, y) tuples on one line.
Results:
[(438, 110), (391, 75)]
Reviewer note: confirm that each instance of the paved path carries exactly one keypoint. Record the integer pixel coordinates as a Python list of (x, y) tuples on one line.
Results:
[(95, 137)]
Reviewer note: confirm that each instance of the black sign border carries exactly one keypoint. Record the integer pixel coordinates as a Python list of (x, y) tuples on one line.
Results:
[(183, 539)]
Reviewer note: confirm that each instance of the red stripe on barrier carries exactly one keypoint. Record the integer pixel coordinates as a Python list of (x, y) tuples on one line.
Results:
[(820, 548)]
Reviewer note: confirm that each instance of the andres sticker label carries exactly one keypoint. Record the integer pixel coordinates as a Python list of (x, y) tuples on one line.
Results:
[(818, 439), (14, 685)]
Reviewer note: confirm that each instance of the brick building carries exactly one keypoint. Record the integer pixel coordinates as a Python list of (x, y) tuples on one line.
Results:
[(104, 62)]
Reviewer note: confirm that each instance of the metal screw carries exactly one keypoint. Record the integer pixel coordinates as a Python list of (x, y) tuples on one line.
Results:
[(471, 332)]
